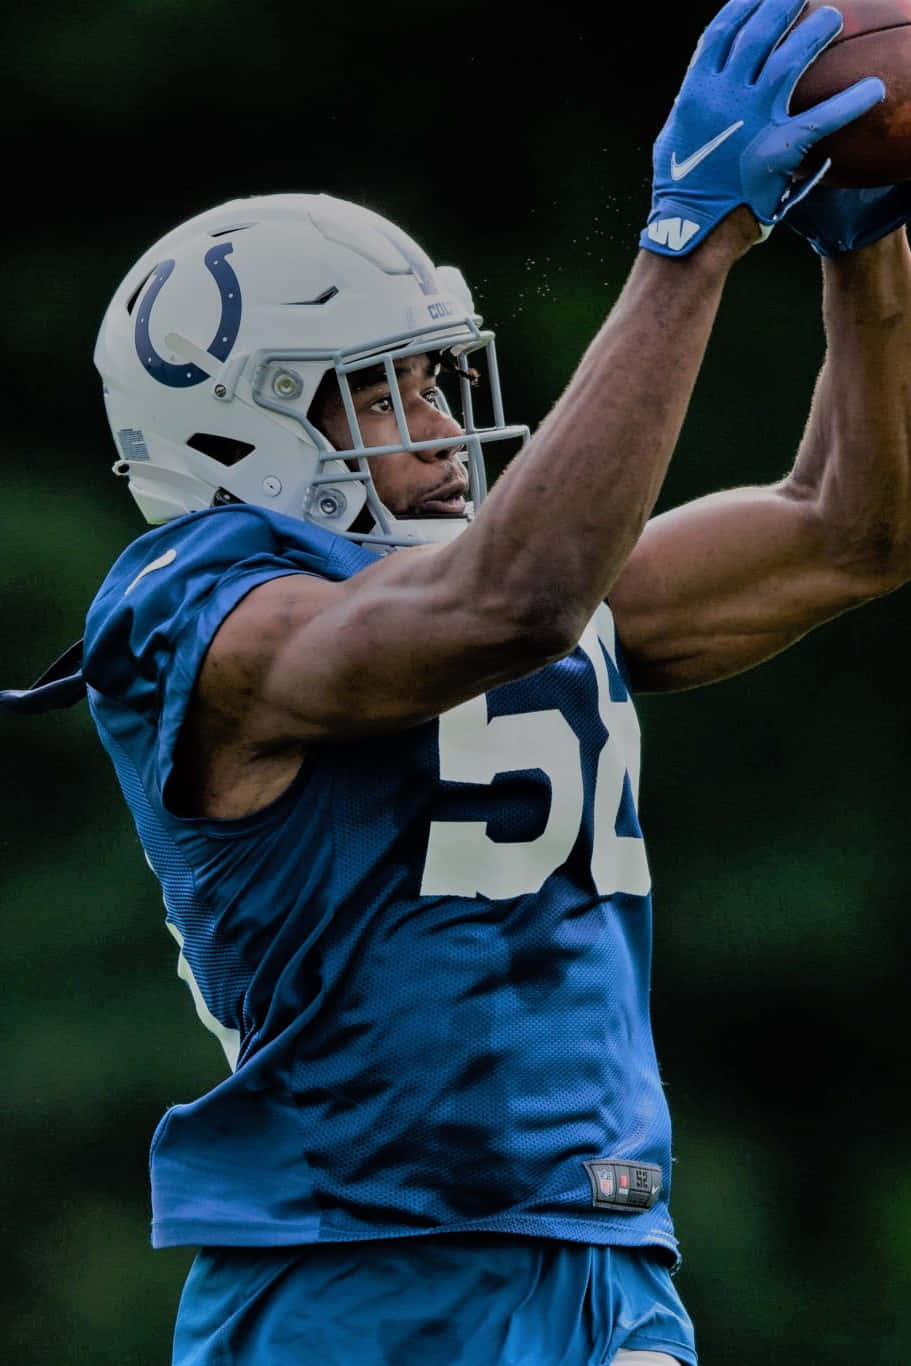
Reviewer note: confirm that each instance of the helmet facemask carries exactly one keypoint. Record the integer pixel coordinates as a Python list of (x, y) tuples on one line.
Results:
[(344, 473)]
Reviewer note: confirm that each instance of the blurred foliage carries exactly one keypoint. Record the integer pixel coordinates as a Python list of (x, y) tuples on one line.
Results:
[(775, 803)]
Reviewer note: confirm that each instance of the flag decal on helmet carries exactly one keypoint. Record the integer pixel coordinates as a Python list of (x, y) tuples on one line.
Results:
[(183, 374)]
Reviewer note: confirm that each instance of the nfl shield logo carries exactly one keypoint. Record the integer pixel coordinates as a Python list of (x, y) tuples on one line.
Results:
[(624, 1186), (606, 1183)]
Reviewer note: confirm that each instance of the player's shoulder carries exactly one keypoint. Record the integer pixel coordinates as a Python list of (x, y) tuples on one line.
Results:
[(189, 573), (209, 542)]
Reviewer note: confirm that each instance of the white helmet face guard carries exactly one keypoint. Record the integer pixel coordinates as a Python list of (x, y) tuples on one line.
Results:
[(293, 287), (330, 487)]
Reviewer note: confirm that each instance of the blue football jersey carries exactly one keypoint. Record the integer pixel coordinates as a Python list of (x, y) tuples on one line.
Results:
[(427, 960)]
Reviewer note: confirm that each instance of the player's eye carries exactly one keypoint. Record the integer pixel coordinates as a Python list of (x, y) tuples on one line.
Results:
[(434, 396), (381, 405)]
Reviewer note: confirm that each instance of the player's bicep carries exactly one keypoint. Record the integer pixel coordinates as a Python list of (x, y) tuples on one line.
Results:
[(235, 680), (722, 583), (302, 659)]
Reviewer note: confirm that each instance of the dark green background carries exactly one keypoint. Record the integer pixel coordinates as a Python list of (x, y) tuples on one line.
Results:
[(515, 144)]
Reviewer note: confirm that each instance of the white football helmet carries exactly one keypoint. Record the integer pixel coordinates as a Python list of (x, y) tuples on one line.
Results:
[(216, 341)]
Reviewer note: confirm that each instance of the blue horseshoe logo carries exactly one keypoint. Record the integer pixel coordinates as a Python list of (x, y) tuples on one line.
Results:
[(183, 376)]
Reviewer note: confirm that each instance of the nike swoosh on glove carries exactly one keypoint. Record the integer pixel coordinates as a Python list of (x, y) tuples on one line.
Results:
[(729, 139), (836, 221)]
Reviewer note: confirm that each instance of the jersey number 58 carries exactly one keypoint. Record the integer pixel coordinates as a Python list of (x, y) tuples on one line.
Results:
[(462, 860)]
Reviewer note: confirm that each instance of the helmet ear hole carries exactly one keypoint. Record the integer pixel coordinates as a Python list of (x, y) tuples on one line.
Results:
[(227, 450)]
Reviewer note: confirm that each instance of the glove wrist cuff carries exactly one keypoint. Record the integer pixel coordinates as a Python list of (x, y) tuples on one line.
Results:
[(675, 228)]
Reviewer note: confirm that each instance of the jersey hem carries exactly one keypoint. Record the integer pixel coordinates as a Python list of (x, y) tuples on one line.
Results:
[(199, 1233), (683, 1352)]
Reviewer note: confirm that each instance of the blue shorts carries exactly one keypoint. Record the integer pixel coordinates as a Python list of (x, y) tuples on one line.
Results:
[(429, 1301)]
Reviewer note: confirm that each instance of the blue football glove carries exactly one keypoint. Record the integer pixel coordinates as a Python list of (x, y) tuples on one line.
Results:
[(729, 139), (835, 221)]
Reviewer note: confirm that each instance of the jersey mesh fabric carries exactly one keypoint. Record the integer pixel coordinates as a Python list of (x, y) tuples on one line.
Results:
[(410, 1061)]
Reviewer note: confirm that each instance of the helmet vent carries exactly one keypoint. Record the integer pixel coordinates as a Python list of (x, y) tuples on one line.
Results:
[(225, 449), (323, 298), (131, 301), (237, 227)]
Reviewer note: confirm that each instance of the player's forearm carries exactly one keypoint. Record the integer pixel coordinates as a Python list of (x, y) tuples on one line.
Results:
[(855, 459), (563, 519)]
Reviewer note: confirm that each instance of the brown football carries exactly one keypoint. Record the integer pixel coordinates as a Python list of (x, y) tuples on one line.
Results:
[(875, 41)]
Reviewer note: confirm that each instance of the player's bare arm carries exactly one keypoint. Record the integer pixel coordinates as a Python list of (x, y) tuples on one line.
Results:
[(290, 667), (302, 660), (728, 580)]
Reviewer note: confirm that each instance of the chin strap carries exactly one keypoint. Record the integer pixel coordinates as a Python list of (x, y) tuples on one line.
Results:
[(61, 685)]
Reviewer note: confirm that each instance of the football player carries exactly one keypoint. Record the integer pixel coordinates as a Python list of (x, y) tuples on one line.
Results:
[(375, 726)]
